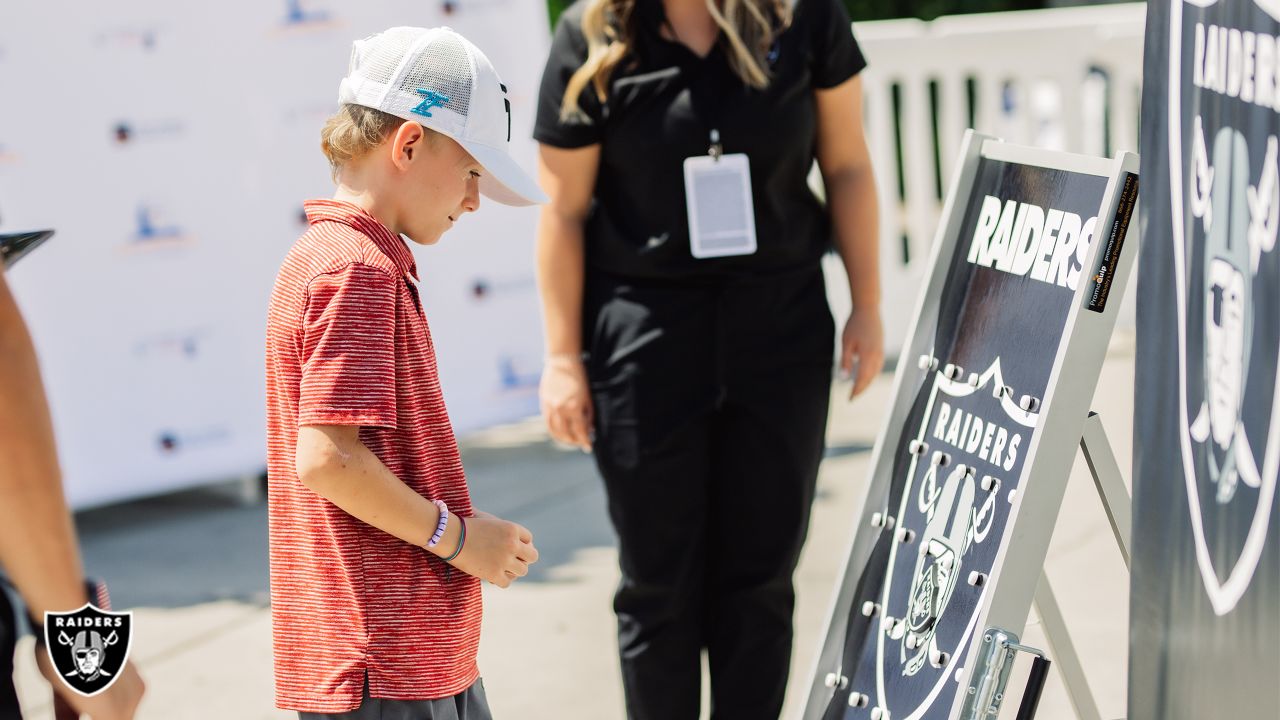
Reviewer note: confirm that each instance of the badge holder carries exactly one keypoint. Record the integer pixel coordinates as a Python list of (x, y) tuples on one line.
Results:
[(721, 212)]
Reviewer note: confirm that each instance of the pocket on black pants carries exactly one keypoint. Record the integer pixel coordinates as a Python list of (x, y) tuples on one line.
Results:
[(617, 431)]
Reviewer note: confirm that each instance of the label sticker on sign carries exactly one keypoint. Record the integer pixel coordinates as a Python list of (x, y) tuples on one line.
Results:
[(1109, 259)]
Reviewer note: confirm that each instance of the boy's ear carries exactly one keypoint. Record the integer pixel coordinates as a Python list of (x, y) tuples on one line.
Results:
[(408, 142)]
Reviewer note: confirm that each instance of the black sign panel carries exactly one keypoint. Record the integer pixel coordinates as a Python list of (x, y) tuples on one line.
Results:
[(1205, 594), (958, 459)]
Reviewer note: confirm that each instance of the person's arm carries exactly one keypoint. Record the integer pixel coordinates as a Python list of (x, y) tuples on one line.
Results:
[(37, 540), (333, 462), (845, 164), (568, 177)]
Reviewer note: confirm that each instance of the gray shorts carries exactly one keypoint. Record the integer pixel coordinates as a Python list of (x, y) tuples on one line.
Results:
[(470, 704)]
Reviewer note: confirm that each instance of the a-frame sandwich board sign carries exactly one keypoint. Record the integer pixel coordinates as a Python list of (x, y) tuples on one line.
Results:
[(990, 400)]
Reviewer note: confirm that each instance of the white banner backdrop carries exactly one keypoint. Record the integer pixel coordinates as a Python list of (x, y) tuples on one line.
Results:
[(171, 146)]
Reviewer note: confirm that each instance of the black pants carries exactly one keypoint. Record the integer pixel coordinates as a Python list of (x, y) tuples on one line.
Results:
[(9, 707), (711, 407)]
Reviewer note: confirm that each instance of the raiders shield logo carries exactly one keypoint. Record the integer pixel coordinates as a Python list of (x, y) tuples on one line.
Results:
[(88, 646), (1225, 200), (951, 503)]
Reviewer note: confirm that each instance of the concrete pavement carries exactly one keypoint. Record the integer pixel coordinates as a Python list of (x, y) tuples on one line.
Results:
[(193, 568)]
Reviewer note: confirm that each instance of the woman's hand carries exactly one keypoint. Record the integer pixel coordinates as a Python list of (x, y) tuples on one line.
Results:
[(566, 401), (862, 342)]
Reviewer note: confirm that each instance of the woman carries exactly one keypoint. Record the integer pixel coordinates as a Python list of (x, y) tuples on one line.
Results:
[(697, 365)]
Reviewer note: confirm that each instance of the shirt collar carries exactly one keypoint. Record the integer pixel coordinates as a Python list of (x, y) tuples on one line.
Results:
[(357, 218)]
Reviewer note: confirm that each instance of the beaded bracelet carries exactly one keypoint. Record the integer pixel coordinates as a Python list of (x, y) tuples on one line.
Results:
[(461, 540), (444, 521)]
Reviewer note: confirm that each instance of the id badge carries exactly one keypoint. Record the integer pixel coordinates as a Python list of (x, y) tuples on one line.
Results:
[(722, 220)]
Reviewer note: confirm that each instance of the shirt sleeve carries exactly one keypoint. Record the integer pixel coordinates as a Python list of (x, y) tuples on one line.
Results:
[(349, 349), (568, 52), (836, 55)]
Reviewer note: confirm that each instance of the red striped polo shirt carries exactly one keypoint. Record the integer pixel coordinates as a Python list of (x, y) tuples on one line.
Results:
[(348, 344)]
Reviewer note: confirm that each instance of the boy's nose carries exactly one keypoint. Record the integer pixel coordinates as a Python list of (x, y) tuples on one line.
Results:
[(471, 201)]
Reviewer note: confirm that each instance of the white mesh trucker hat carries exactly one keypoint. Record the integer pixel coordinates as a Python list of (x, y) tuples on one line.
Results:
[(436, 77)]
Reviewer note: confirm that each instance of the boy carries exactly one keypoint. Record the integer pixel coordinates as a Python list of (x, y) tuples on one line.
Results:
[(376, 553)]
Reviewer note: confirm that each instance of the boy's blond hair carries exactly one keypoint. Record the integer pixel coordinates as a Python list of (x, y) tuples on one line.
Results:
[(355, 130)]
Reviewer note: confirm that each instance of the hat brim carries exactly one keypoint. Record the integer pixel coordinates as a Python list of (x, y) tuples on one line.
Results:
[(504, 181)]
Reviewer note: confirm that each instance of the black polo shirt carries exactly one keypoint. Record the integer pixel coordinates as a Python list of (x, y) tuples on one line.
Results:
[(662, 103)]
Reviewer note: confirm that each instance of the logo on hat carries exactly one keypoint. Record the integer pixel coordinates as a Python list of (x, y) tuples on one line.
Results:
[(88, 647), (431, 99), (1225, 201)]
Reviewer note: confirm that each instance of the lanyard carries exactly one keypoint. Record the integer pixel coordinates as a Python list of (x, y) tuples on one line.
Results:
[(703, 67)]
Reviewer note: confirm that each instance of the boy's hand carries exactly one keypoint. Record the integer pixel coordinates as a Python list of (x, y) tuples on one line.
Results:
[(496, 550), (118, 702)]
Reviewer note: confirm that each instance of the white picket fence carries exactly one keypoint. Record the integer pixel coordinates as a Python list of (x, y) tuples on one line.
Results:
[(1065, 79)]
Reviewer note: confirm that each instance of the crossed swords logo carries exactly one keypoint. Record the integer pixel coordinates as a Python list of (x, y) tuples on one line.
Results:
[(89, 650), (1230, 267)]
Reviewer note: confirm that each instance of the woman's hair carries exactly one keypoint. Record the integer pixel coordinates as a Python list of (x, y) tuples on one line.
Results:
[(355, 130), (611, 26)]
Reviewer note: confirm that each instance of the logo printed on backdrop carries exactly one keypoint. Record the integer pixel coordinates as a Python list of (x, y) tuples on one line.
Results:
[(1226, 212), (153, 231), (179, 344), (171, 441), (518, 373), (449, 8), (126, 132), (302, 14), (483, 288), (88, 647), (141, 38)]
